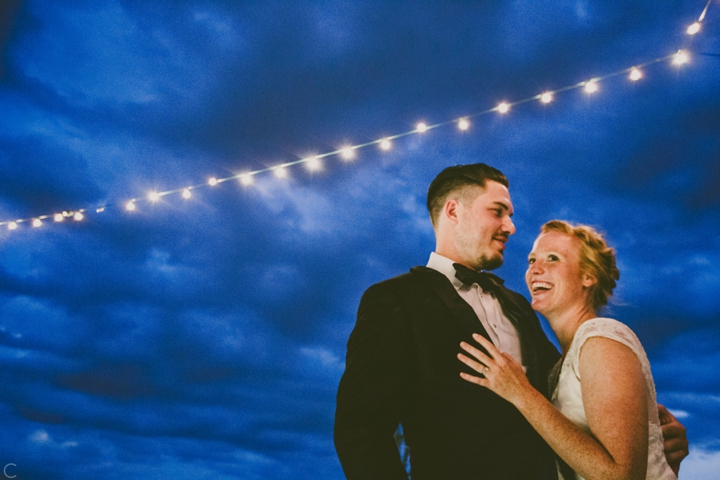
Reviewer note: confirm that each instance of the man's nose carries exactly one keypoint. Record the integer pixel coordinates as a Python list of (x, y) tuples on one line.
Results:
[(509, 226)]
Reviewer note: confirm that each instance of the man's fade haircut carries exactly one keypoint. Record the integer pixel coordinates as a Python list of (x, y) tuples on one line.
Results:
[(456, 178)]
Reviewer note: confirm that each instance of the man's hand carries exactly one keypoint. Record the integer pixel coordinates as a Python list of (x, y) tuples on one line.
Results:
[(676, 442)]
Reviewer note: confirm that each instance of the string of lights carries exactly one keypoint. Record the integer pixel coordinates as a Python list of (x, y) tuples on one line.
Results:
[(348, 152)]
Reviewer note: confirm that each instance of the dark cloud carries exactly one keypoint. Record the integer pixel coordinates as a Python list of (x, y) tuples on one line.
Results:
[(204, 338)]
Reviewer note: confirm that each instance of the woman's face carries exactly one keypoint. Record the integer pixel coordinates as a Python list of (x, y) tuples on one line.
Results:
[(554, 277)]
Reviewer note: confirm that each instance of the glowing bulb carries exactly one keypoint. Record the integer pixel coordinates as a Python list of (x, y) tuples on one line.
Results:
[(186, 193), (313, 163), (12, 226), (591, 87), (635, 74), (78, 216), (421, 127), (280, 172), (385, 144), (246, 179), (680, 58), (694, 28), (99, 209), (212, 181), (37, 223), (347, 153), (130, 206), (463, 124), (58, 217), (503, 107), (153, 196), (546, 97)]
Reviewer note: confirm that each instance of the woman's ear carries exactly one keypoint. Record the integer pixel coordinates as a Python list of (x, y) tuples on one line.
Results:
[(588, 280)]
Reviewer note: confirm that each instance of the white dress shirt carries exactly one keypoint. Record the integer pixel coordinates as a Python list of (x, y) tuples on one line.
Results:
[(486, 307)]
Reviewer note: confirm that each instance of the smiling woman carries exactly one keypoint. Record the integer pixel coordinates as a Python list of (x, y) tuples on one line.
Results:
[(604, 422)]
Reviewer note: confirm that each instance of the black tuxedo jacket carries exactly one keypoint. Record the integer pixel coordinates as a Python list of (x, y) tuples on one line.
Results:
[(402, 368)]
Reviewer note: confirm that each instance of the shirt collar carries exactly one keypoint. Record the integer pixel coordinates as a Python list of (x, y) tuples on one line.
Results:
[(445, 266)]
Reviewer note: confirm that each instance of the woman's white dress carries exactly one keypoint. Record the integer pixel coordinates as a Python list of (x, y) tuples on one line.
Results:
[(565, 383)]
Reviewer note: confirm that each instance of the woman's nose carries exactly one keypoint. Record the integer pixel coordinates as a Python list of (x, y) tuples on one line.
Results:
[(535, 268)]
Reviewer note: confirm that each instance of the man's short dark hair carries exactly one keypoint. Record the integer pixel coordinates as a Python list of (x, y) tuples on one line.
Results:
[(456, 178)]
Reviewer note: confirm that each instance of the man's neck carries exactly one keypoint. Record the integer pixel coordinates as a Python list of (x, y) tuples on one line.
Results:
[(455, 257), (451, 254)]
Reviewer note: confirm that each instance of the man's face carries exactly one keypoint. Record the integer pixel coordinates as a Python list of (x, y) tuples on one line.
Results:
[(484, 226)]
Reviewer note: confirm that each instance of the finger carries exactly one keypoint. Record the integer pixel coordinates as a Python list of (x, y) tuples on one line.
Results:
[(477, 366), (672, 430), (487, 344), (674, 458), (675, 444), (665, 415), (476, 353), (473, 379)]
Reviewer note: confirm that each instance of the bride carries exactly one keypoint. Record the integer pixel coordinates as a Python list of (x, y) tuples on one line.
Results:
[(603, 419)]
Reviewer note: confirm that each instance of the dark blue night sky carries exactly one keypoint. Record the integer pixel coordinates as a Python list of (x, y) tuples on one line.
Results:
[(204, 338)]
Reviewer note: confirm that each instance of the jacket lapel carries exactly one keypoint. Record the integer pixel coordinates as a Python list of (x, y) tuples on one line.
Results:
[(465, 316), (462, 312), (523, 319)]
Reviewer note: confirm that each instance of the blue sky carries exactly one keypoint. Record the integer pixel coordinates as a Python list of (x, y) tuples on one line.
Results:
[(204, 338)]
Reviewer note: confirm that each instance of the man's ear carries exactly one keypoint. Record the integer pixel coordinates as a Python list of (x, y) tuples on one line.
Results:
[(452, 210)]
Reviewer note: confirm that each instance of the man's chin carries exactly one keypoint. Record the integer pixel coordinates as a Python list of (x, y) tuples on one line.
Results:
[(492, 263)]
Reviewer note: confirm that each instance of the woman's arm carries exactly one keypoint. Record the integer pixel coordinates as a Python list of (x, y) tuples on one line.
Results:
[(614, 397)]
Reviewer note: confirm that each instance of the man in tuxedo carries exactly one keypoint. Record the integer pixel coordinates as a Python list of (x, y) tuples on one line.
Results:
[(402, 367)]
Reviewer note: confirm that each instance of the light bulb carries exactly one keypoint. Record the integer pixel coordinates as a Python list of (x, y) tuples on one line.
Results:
[(680, 58), (314, 163), (591, 87), (347, 153)]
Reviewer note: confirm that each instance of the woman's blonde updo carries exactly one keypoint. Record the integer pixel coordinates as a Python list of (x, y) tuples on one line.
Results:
[(596, 258)]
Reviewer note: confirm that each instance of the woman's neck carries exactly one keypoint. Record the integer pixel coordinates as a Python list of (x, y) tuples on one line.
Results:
[(566, 323)]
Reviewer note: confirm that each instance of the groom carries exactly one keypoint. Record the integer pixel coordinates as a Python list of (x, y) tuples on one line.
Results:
[(402, 367)]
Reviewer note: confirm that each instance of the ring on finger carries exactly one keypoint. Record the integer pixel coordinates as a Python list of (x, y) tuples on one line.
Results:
[(485, 371)]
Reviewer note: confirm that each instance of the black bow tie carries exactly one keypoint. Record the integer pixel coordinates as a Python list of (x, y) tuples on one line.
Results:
[(487, 281)]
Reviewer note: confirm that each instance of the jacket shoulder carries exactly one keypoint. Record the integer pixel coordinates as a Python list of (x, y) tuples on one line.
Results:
[(520, 298), (394, 283), (410, 280)]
